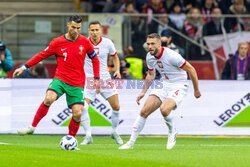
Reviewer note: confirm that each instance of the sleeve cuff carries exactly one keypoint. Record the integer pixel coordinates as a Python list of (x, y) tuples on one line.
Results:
[(24, 67), (97, 78), (114, 54), (149, 69), (183, 64)]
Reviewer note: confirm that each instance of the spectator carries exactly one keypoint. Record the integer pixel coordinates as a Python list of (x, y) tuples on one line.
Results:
[(234, 24), (216, 25), (193, 28), (137, 31), (193, 24), (129, 8), (37, 71), (224, 5), (246, 23), (207, 8), (166, 40), (166, 22), (113, 6), (98, 5), (140, 5), (186, 5), (247, 5), (238, 66), (136, 64), (125, 70), (177, 16), (153, 7), (85, 6), (6, 61), (138, 36), (165, 26)]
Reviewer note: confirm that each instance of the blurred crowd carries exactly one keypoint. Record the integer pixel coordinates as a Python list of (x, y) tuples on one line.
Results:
[(192, 18)]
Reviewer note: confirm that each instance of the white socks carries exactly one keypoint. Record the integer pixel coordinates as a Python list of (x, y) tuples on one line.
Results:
[(115, 120), (170, 122), (86, 120), (137, 128)]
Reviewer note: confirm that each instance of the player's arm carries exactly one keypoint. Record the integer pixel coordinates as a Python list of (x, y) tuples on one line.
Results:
[(96, 69), (148, 81), (50, 50), (193, 76), (116, 63)]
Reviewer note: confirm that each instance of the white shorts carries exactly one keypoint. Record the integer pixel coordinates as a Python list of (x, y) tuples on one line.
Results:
[(107, 90), (171, 90)]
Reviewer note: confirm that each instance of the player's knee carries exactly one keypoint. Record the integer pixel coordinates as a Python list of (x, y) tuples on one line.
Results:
[(144, 113), (77, 115), (116, 107), (48, 101), (165, 110)]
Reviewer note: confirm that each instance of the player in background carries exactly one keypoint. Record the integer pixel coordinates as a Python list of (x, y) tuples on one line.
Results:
[(70, 50), (172, 68), (103, 47)]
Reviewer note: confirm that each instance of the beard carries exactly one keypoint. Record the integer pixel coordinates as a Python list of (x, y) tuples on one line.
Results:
[(73, 36), (155, 52)]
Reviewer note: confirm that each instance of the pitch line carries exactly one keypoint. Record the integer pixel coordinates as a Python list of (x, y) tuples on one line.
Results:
[(205, 136), (182, 145)]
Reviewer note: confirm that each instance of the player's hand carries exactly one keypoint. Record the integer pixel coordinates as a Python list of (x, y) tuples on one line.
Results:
[(117, 75), (97, 86), (197, 93), (17, 72), (139, 97), (2, 57)]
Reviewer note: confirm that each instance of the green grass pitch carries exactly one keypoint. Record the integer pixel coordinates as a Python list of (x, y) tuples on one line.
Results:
[(44, 151)]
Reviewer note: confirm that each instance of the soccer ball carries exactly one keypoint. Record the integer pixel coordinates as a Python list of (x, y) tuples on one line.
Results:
[(68, 143)]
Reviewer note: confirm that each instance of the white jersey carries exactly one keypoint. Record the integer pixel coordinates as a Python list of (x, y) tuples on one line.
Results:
[(103, 48), (168, 64)]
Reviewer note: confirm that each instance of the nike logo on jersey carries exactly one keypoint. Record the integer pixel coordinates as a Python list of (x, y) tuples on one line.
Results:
[(63, 49)]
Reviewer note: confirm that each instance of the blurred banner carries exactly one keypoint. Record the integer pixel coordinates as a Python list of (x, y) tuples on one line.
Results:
[(223, 109), (223, 45), (112, 27)]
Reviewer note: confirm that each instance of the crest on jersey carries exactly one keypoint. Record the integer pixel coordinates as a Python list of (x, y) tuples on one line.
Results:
[(96, 51), (81, 49), (160, 65)]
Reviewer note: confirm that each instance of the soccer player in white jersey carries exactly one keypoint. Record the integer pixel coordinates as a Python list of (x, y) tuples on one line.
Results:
[(103, 48), (172, 68)]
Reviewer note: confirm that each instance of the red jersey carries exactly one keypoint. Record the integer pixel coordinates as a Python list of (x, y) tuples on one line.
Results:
[(70, 59)]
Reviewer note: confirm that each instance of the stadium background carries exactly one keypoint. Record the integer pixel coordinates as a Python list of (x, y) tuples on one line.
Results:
[(27, 27)]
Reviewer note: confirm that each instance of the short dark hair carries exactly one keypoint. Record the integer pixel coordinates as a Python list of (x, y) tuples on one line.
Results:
[(75, 18), (154, 35), (94, 22)]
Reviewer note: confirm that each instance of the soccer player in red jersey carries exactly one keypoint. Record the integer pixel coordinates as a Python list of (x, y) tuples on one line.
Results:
[(70, 49)]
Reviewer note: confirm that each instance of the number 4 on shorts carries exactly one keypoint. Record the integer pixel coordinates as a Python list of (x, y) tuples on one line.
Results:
[(176, 92)]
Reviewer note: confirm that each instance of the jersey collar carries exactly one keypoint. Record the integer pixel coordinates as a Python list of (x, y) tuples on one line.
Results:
[(70, 39), (94, 43), (160, 55)]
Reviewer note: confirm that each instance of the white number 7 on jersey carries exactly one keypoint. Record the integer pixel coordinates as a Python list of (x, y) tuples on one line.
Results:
[(65, 56)]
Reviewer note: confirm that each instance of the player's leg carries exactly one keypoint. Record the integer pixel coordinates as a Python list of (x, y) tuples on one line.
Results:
[(166, 109), (76, 119), (52, 94), (153, 102), (75, 101), (85, 119), (175, 95), (114, 103)]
